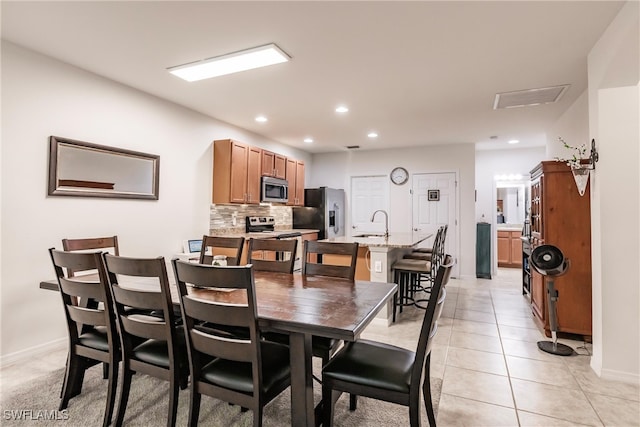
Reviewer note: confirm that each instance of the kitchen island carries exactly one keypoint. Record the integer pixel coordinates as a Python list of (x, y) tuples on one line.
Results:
[(376, 255)]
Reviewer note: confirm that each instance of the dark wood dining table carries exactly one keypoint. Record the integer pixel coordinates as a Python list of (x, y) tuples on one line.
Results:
[(303, 306)]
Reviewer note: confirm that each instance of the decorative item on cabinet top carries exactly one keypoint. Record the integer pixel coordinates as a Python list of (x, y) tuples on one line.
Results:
[(579, 164)]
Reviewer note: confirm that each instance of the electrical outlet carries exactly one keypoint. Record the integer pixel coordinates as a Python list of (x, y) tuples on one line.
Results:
[(234, 219), (377, 267)]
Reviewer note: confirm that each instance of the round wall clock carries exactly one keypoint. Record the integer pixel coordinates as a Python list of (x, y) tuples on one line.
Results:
[(399, 175)]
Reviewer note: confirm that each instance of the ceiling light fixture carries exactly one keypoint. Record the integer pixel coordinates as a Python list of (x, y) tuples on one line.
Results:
[(235, 62), (308, 140), (261, 119), (372, 135), (342, 109), (513, 141)]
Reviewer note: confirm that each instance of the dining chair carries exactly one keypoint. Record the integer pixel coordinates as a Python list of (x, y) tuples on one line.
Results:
[(385, 372), (328, 255), (217, 245), (333, 259), (91, 244), (272, 255), (151, 344), (248, 371), (92, 332)]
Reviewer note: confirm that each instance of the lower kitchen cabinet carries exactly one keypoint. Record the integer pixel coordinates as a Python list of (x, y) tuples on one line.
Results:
[(509, 248)]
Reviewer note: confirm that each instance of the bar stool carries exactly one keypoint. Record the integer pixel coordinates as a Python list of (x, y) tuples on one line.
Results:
[(408, 274)]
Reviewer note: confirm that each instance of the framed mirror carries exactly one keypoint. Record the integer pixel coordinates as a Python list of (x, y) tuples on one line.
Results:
[(84, 169)]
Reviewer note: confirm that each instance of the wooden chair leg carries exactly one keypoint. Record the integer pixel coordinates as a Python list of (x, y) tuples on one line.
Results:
[(73, 375), (124, 396), (257, 416), (328, 403), (111, 392), (194, 405), (353, 402), (173, 401), (426, 392)]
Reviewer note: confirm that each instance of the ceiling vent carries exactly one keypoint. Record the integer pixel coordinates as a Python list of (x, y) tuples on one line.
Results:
[(351, 147), (523, 98)]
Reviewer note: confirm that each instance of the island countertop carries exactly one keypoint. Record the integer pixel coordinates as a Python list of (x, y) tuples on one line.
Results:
[(395, 240)]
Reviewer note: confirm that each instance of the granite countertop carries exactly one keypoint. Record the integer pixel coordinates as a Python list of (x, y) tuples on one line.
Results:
[(263, 235), (509, 227), (395, 240)]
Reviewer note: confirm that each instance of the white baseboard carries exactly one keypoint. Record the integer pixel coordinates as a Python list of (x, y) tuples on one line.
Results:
[(38, 350), (625, 377)]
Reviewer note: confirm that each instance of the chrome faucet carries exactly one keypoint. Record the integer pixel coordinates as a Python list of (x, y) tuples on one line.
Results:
[(386, 221)]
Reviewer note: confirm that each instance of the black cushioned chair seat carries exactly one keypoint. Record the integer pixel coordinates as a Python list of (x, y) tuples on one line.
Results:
[(322, 344), (372, 364), (155, 352), (95, 338), (276, 337), (237, 375)]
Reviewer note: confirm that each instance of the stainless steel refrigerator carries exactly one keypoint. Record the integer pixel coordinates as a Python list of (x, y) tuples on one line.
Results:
[(324, 211)]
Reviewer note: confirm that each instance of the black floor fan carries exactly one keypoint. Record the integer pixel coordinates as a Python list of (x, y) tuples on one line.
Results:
[(549, 261)]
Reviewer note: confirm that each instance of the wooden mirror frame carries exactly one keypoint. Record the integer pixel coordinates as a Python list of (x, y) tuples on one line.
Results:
[(79, 186)]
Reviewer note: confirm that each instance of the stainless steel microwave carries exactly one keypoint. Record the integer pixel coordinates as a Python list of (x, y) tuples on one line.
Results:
[(274, 190)]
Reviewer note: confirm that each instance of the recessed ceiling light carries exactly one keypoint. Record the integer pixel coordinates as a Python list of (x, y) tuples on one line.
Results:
[(372, 135), (513, 141), (308, 140), (235, 62), (261, 119), (342, 109)]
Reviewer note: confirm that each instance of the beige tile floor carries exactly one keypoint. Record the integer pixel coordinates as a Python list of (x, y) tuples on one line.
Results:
[(486, 354), (493, 373)]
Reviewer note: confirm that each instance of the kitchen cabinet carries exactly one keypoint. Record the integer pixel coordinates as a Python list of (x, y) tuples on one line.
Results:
[(562, 218), (236, 172), (274, 165), (509, 248), (295, 177)]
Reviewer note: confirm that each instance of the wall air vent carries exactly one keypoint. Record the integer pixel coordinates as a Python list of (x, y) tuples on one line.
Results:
[(524, 98), (351, 147)]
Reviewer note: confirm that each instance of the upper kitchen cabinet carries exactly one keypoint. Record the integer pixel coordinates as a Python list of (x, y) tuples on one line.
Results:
[(295, 177), (236, 172), (274, 165), (562, 218)]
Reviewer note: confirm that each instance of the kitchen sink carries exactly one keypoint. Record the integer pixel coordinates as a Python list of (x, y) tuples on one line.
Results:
[(369, 235)]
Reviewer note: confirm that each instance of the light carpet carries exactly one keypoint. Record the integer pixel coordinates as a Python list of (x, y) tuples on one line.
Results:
[(148, 406)]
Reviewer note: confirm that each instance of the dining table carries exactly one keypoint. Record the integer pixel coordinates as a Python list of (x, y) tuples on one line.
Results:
[(301, 306)]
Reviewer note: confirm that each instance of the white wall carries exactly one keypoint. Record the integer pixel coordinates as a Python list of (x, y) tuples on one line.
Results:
[(614, 96), (490, 163), (43, 97), (573, 127), (336, 169)]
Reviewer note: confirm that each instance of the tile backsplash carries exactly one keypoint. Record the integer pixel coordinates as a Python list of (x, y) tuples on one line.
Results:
[(221, 217)]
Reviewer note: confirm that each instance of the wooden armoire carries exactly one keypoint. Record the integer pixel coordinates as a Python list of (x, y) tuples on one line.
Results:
[(562, 218)]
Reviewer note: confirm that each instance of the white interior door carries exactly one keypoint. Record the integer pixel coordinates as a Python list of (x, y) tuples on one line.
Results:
[(434, 205), (368, 194)]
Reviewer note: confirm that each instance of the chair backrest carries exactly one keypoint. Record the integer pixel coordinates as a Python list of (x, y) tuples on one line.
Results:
[(205, 342), (140, 286), (272, 255), (90, 244), (334, 259), (429, 323), (92, 289), (437, 251), (217, 245)]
